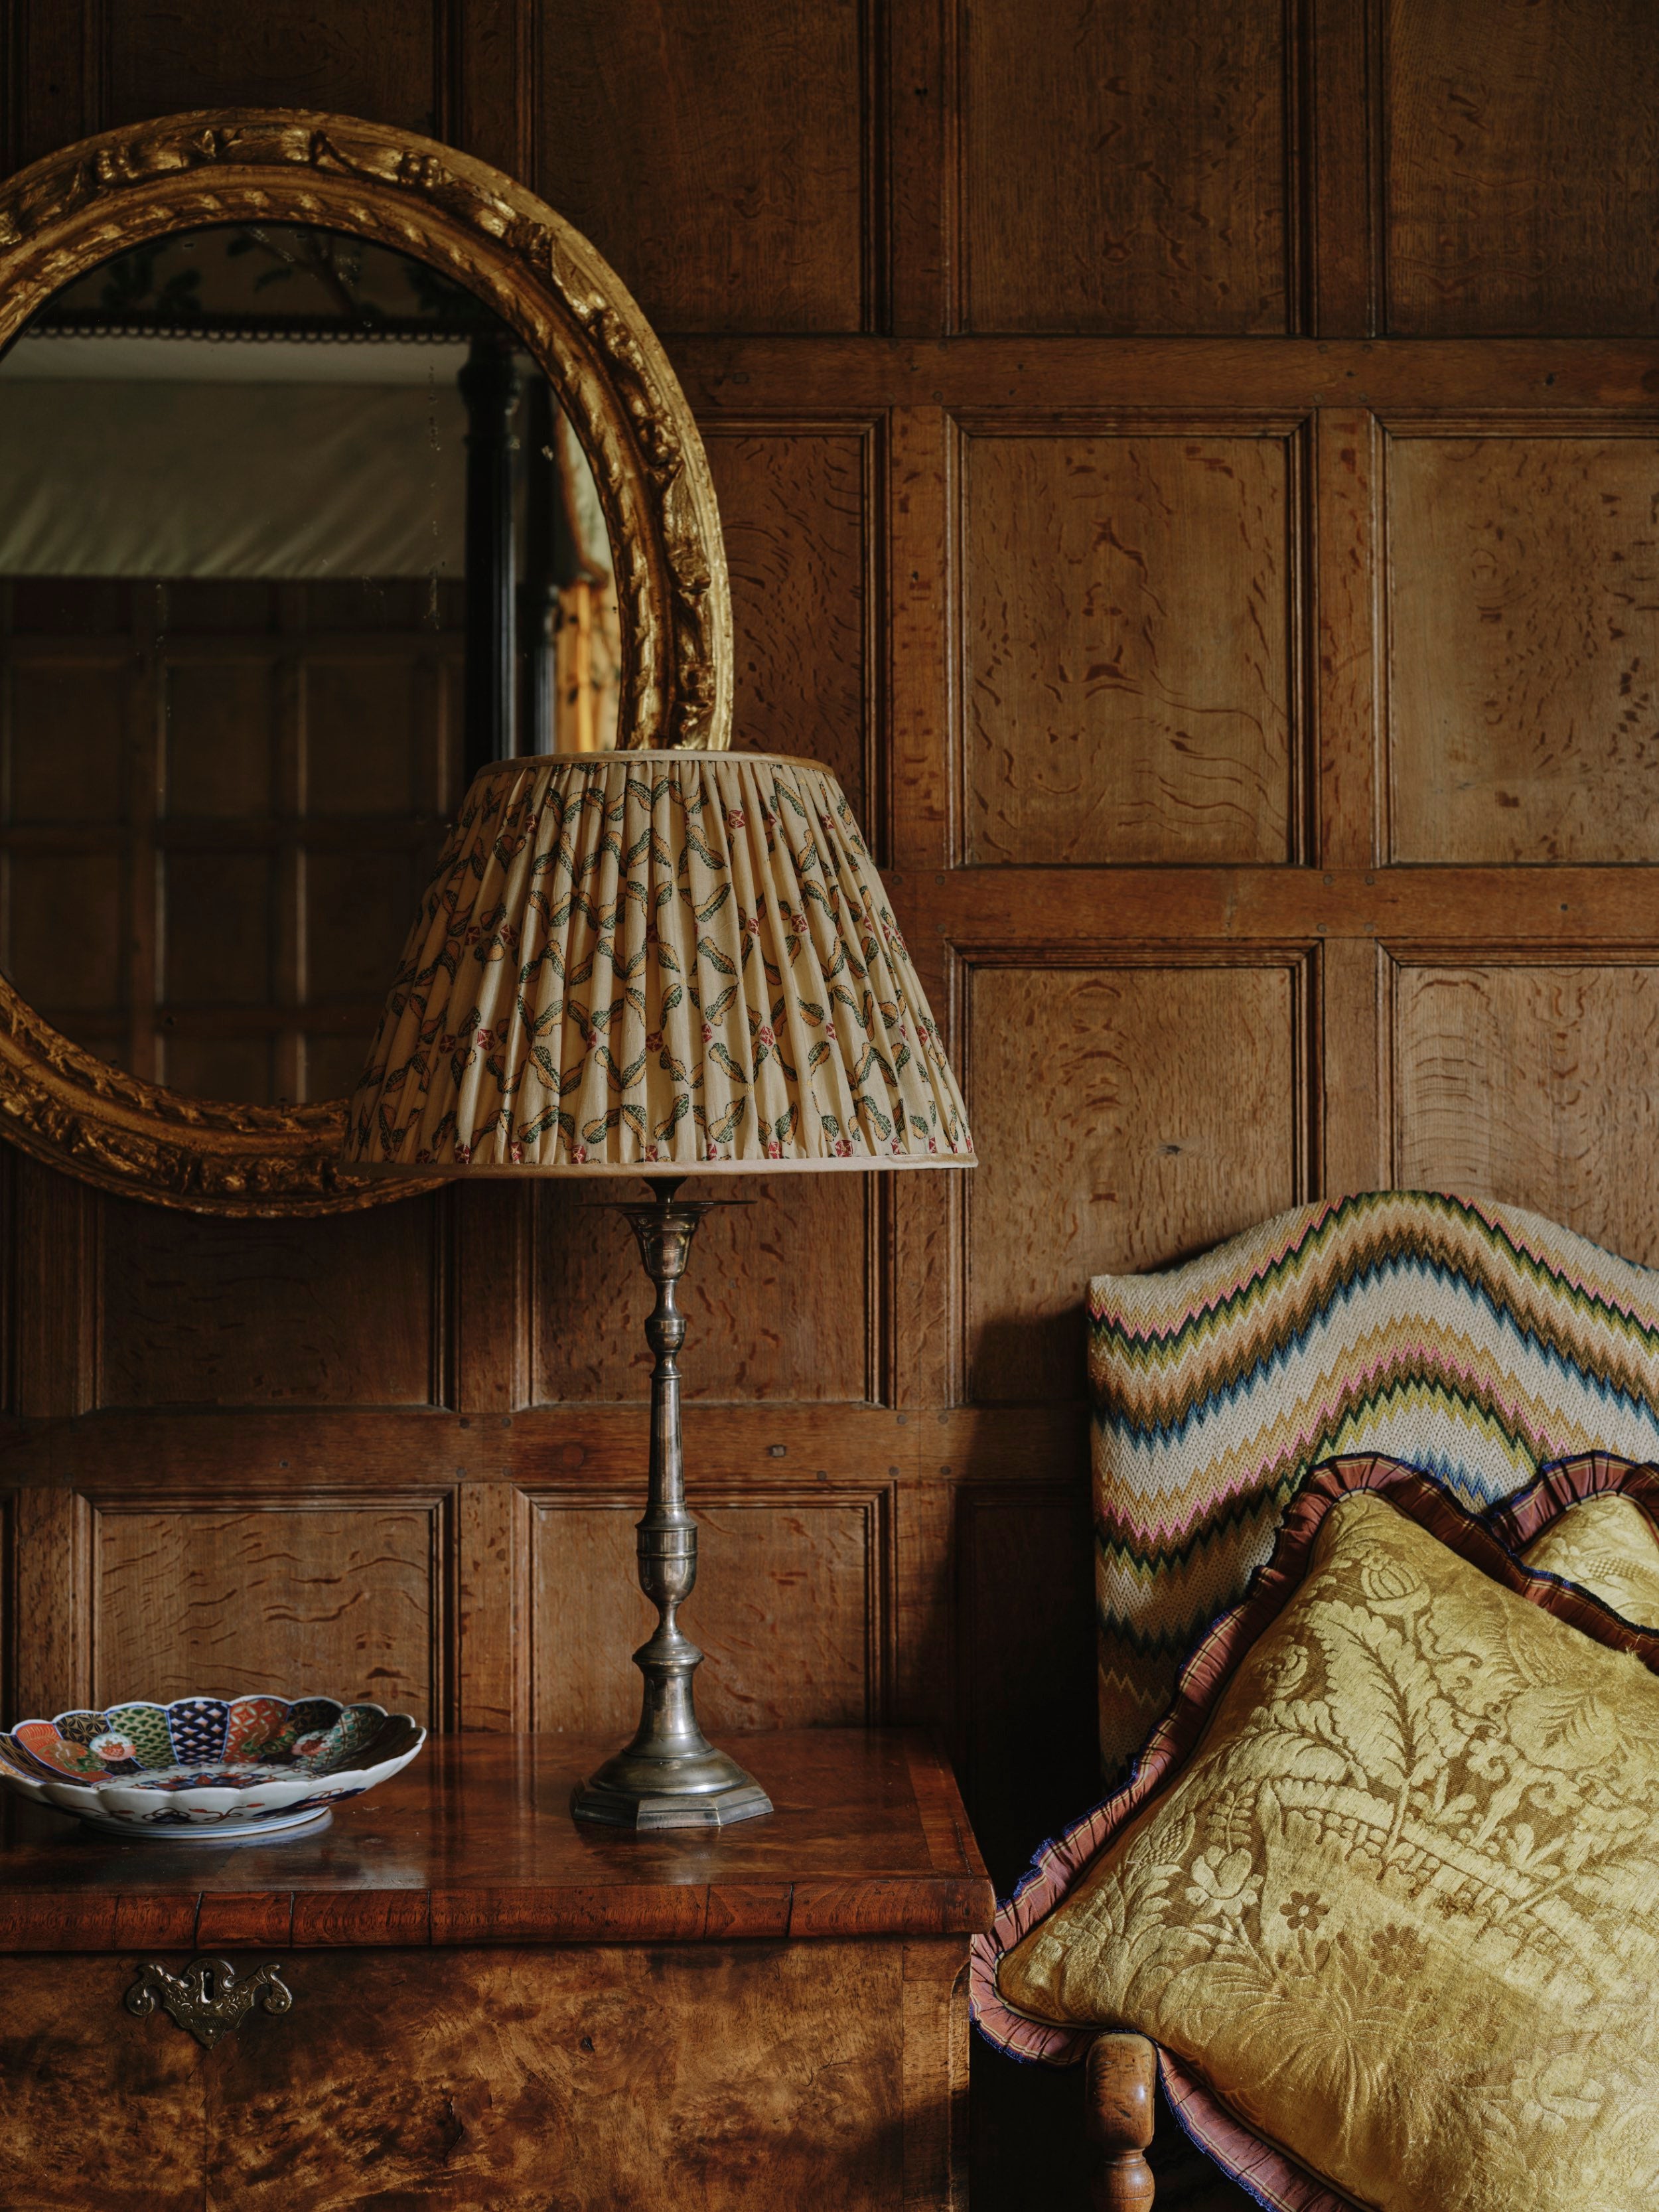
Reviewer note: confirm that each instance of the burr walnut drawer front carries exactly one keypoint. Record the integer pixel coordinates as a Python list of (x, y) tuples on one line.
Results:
[(559, 2078)]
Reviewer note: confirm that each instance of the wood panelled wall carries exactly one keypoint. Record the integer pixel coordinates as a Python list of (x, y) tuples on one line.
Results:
[(1192, 467)]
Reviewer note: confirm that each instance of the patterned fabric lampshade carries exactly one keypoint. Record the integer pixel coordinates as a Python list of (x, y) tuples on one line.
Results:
[(656, 964), (665, 964)]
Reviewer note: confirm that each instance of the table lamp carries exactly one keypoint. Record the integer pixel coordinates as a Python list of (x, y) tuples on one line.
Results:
[(658, 964)]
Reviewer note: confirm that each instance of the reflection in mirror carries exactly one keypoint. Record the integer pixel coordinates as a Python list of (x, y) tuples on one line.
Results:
[(292, 537)]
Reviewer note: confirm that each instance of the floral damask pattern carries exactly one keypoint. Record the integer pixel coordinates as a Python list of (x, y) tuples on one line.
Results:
[(1400, 1907), (657, 959), (1606, 1545)]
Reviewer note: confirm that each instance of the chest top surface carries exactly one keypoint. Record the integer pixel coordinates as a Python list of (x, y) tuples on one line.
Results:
[(475, 1843)]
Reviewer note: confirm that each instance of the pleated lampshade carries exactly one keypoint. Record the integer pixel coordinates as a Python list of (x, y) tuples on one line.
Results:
[(656, 962)]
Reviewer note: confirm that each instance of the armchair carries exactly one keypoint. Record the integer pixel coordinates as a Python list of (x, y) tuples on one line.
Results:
[(1475, 1341)]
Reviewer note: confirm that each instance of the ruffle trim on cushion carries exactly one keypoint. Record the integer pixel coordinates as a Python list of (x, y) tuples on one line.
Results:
[(1268, 2175), (1520, 1520)]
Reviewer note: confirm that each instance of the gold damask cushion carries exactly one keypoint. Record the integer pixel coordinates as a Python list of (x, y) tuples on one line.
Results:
[(1398, 1905), (1606, 1545)]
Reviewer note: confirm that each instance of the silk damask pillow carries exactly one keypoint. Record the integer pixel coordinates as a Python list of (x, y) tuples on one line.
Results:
[(1590, 1521), (1385, 1882)]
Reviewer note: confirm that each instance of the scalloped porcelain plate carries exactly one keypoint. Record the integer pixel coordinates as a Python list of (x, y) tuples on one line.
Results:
[(208, 1770)]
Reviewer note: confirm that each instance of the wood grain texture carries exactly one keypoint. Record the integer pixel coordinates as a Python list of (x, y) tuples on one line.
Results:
[(1124, 1116), (51, 94), (1522, 165), (347, 1599), (1354, 1120), (737, 374), (791, 1608), (1535, 1085), (56, 1225), (1341, 167), (702, 2078), (199, 1311), (723, 178), (1347, 466), (492, 1608), (795, 506), (377, 59), (50, 1540), (780, 1296), (1523, 651), (489, 85), (474, 1842), (1571, 908), (922, 799), (922, 134), (1122, 2100), (1126, 168), (489, 1297), (66, 2055), (1128, 680), (714, 2079)]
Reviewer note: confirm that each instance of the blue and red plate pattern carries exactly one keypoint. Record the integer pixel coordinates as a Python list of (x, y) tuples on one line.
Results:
[(230, 1765)]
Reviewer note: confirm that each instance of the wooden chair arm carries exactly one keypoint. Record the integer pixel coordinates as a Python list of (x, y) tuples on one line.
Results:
[(1121, 2083)]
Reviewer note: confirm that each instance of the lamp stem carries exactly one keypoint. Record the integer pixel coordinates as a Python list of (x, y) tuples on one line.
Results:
[(670, 1776)]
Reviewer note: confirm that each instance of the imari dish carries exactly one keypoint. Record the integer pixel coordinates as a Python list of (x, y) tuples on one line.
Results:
[(208, 1770)]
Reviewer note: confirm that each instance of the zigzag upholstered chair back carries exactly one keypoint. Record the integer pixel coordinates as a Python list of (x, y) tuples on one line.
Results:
[(1473, 1340)]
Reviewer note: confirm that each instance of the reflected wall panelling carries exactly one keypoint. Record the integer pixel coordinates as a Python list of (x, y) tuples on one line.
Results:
[(1190, 468)]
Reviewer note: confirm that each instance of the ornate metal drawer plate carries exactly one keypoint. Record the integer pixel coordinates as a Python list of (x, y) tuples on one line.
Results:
[(209, 1997)]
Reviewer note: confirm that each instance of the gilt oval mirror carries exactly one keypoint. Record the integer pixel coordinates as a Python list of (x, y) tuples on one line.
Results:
[(335, 466)]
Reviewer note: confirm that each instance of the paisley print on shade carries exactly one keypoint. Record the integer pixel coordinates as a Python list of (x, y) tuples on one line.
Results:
[(1387, 1883)]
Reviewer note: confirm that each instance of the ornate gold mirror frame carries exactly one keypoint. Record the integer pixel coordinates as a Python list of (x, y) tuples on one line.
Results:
[(108, 194)]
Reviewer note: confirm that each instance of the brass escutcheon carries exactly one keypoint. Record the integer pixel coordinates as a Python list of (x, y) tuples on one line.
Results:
[(209, 1997)]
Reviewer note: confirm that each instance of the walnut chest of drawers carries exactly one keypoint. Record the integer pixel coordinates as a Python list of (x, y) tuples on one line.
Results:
[(494, 2008)]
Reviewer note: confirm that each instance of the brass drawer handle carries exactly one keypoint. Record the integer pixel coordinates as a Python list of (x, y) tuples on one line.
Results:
[(209, 1997)]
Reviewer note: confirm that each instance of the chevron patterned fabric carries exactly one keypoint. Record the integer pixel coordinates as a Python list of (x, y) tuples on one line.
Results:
[(1471, 1340)]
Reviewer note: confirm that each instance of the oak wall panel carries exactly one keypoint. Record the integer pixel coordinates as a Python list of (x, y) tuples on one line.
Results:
[(722, 170), (1124, 1116), (781, 1296), (795, 510), (1522, 165), (1130, 673), (343, 1596), (376, 58), (346, 1310), (1534, 1084), (1523, 647), (1127, 167), (791, 1607)]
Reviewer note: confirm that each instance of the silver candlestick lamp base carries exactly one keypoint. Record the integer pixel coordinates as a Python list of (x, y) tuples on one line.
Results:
[(670, 1776)]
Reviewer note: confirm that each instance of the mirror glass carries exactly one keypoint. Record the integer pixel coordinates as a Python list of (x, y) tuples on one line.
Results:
[(293, 537)]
